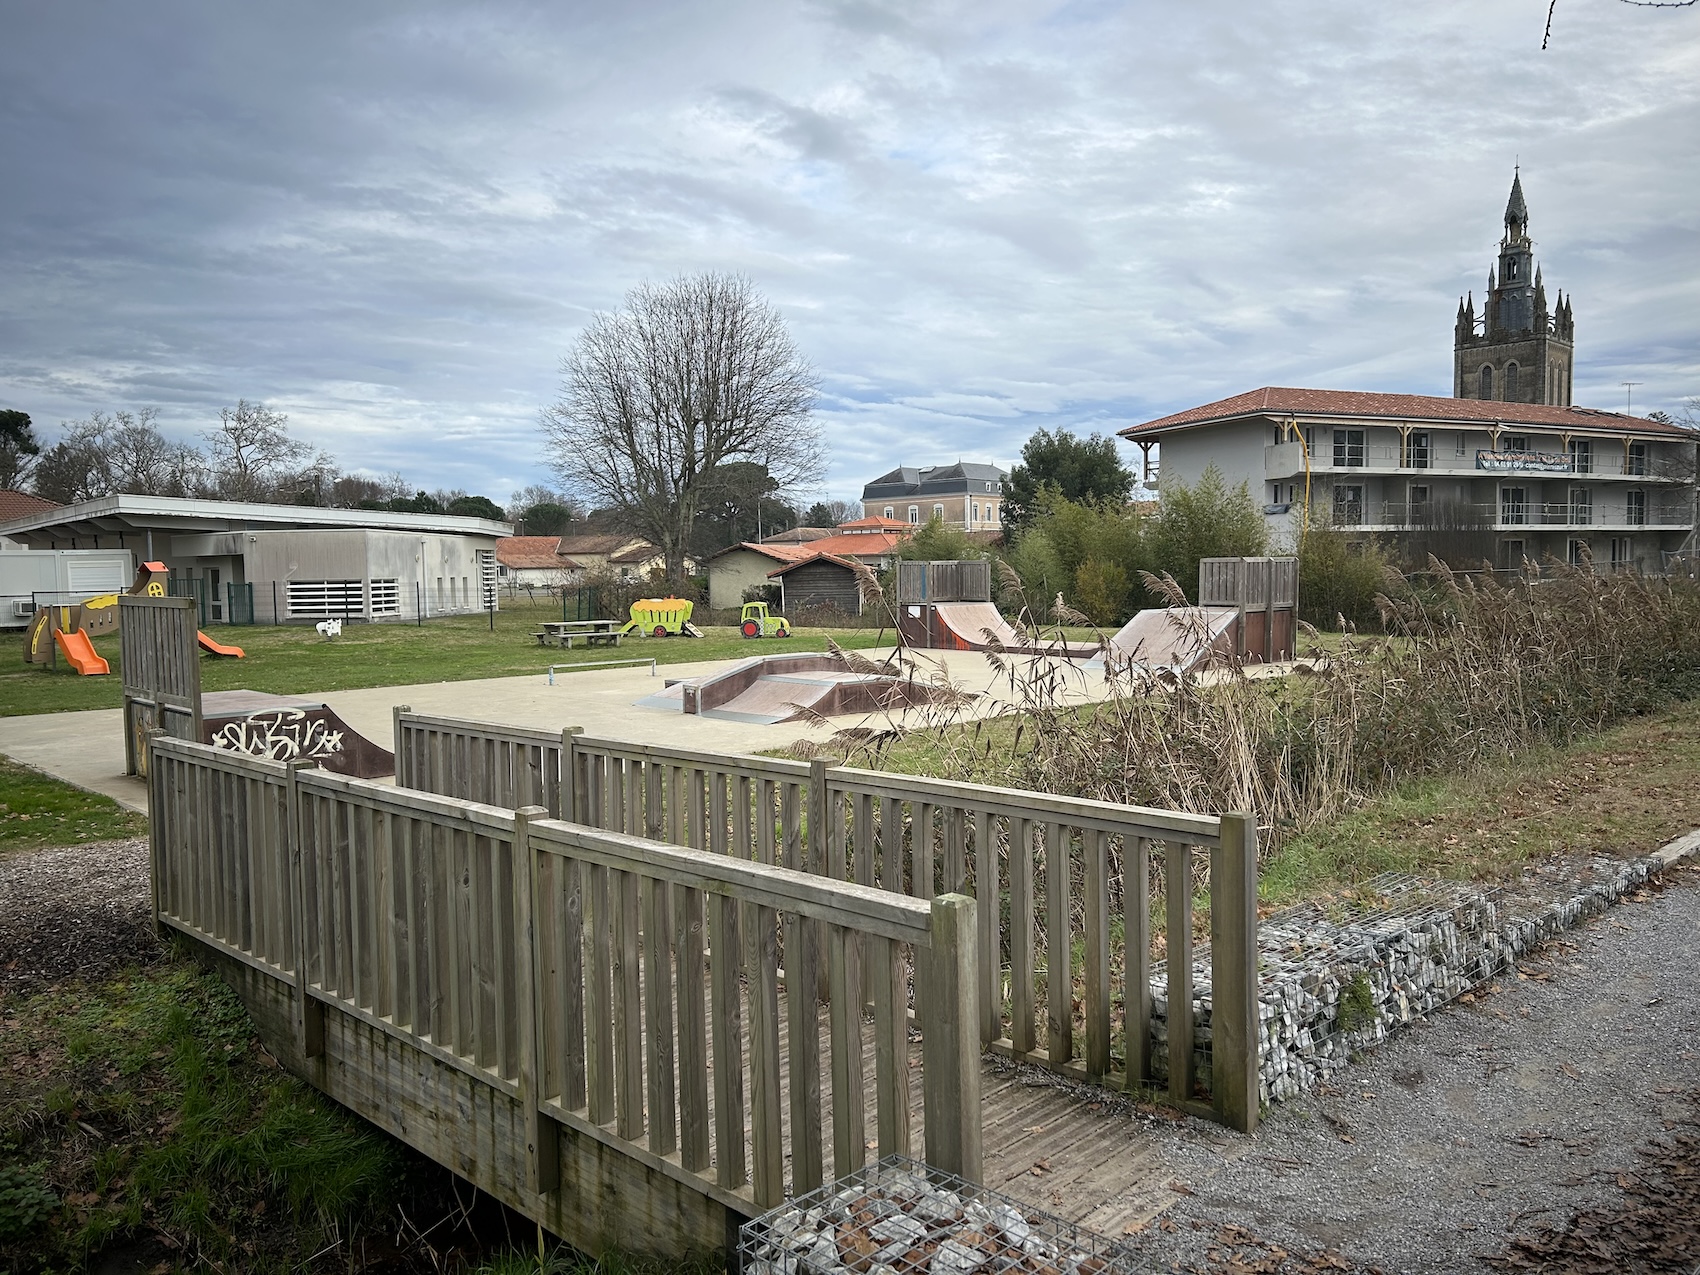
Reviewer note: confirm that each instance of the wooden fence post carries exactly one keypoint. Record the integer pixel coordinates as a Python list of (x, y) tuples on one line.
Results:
[(402, 777), (157, 804), (542, 1138), (309, 1013), (1233, 974), (950, 1044), (569, 774)]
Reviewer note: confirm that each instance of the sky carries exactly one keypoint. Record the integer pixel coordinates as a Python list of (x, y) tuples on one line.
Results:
[(390, 221)]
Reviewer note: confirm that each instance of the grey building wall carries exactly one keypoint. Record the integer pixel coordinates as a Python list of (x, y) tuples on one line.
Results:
[(821, 584)]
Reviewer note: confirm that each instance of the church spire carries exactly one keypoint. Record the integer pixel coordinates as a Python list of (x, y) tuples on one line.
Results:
[(1515, 209)]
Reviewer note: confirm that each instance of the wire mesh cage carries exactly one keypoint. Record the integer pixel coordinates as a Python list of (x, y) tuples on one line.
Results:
[(901, 1217)]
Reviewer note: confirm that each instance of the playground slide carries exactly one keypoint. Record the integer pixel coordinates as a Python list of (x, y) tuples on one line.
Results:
[(216, 648), (80, 653)]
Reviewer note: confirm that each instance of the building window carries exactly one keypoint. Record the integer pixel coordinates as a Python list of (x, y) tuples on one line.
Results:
[(938, 511), (1511, 555), (1635, 462), (1348, 448), (1348, 502), (1620, 556), (1581, 456), (1463, 444), (1416, 450), (1581, 507), (1635, 508), (890, 512), (1517, 443), (914, 514), (321, 598), (976, 513), (1514, 505), (386, 597), (1510, 382), (1576, 552), (1487, 382)]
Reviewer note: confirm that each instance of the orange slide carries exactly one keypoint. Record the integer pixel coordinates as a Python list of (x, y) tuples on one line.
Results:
[(217, 648), (80, 652)]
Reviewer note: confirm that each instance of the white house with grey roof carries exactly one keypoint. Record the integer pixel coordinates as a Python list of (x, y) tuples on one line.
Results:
[(966, 495)]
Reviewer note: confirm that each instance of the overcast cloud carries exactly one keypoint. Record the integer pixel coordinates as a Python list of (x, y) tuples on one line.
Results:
[(389, 220)]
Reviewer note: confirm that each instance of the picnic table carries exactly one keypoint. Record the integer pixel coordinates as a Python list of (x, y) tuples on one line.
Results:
[(590, 632)]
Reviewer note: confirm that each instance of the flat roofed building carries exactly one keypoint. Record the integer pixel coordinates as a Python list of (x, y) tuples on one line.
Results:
[(1528, 480), (966, 495), (287, 562)]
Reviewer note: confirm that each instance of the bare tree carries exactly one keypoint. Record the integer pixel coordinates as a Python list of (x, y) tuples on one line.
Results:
[(141, 461), (252, 455), (688, 376)]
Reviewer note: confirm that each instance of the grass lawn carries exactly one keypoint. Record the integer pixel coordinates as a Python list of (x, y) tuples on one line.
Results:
[(295, 660), (38, 811)]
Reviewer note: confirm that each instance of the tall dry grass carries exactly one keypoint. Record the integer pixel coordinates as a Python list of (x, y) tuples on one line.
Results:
[(1474, 672)]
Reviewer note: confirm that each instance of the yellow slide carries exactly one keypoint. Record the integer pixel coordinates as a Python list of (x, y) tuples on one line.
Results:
[(80, 653)]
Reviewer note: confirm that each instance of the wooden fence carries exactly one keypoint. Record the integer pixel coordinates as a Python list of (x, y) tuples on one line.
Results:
[(590, 992), (1062, 886), (966, 581), (161, 670)]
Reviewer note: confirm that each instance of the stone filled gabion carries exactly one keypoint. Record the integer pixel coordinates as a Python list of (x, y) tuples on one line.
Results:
[(899, 1217), (1426, 945)]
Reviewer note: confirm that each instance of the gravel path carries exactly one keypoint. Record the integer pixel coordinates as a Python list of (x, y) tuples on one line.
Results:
[(1487, 1121), (73, 912)]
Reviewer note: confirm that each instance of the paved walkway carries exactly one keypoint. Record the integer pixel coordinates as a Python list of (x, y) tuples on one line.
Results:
[(87, 749)]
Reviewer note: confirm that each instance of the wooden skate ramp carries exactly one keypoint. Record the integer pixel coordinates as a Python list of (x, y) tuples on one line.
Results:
[(977, 626), (1180, 638)]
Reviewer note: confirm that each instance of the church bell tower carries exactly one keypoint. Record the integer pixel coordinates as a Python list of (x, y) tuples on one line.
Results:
[(1516, 351)]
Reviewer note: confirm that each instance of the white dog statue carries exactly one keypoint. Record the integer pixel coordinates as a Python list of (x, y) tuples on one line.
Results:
[(329, 628)]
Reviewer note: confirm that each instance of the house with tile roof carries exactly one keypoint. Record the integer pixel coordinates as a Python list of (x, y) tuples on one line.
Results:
[(1536, 480), (628, 557), (20, 504), (873, 542), (532, 562)]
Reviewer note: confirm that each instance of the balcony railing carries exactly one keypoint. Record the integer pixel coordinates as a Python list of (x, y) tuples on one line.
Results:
[(1286, 460), (1454, 516)]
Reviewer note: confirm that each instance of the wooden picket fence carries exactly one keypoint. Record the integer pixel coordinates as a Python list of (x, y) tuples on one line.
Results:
[(600, 991), (1050, 877)]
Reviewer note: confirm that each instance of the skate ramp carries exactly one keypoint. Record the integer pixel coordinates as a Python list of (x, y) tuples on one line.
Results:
[(1179, 638), (287, 728), (767, 690), (976, 626)]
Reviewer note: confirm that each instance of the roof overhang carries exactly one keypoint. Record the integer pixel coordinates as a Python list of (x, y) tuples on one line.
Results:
[(138, 515)]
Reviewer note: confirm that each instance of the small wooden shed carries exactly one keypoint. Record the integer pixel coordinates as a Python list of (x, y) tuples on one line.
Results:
[(819, 580)]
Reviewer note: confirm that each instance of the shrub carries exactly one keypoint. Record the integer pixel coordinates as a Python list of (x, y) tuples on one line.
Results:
[(1342, 574)]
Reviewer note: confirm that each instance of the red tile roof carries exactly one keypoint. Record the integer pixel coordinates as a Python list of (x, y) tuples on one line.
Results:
[(779, 553), (520, 553), (1276, 401), (20, 504), (860, 544), (875, 523)]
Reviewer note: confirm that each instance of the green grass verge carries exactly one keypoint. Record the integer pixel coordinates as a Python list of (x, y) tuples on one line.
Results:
[(1621, 793), (295, 660), (36, 810)]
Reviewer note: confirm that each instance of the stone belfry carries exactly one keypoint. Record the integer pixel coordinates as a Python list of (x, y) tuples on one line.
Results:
[(1518, 351)]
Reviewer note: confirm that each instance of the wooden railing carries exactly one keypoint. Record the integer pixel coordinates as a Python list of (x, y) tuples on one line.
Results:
[(1051, 878), (618, 989)]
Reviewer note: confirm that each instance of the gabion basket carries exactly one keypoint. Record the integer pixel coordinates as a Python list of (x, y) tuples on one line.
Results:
[(900, 1217)]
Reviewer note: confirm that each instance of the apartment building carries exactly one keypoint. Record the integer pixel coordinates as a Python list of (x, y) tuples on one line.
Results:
[(1517, 480), (965, 495)]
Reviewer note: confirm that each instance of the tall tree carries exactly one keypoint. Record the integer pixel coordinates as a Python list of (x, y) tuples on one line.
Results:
[(832, 513), (688, 376), (252, 455), (18, 448), (1083, 470)]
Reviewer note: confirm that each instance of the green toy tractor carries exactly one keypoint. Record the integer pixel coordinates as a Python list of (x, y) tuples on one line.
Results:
[(757, 623)]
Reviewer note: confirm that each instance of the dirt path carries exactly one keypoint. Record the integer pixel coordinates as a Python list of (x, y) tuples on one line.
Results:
[(1489, 1121)]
